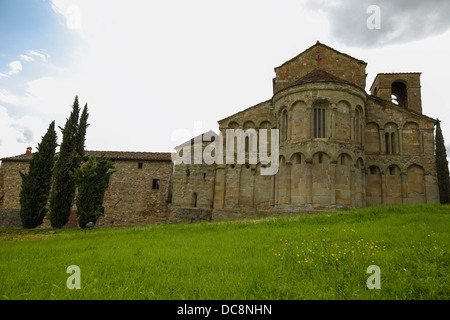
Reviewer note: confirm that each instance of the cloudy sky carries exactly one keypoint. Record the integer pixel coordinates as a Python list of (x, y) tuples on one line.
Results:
[(156, 72)]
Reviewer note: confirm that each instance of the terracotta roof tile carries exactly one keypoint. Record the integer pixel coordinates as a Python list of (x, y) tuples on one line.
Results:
[(113, 155)]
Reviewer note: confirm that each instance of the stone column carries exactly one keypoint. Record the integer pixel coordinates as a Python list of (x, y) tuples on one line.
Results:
[(363, 131), (363, 187), (404, 187), (382, 141), (383, 188), (352, 185), (273, 190), (333, 173), (225, 177), (333, 121), (309, 183), (352, 130), (421, 142), (309, 127), (253, 170), (426, 178), (400, 140), (289, 179)]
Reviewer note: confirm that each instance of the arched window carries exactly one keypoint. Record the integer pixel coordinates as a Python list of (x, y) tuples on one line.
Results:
[(194, 200), (390, 139), (399, 94), (319, 122)]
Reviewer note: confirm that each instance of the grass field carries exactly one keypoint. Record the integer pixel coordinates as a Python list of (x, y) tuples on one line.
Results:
[(320, 256)]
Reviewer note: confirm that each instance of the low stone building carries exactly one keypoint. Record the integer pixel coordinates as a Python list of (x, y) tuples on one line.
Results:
[(336, 146), (138, 192)]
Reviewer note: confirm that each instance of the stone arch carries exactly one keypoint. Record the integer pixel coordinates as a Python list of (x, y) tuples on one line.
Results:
[(360, 163), (321, 179), (282, 182), (251, 138), (393, 185), (359, 125), (372, 138), (359, 178), (391, 138), (361, 110), (249, 124), (246, 186), (344, 179), (263, 198), (415, 181), (320, 119), (265, 124), (232, 176), (373, 186), (298, 179), (233, 125), (411, 138), (344, 120), (299, 123), (399, 93), (284, 123)]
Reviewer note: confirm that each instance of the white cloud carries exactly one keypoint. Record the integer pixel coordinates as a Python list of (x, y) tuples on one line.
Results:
[(8, 97), (48, 96), (26, 58), (38, 54), (14, 67)]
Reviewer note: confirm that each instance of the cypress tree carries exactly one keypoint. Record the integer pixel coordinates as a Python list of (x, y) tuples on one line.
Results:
[(442, 167), (36, 183), (70, 157), (92, 181)]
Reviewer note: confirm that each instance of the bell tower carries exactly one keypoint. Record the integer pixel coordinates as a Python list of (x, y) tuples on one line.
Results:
[(402, 89)]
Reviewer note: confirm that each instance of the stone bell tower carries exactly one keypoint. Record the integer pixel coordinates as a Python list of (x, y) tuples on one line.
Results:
[(402, 89)]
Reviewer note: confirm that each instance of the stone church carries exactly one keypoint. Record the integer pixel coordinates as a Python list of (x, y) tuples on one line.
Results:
[(339, 147)]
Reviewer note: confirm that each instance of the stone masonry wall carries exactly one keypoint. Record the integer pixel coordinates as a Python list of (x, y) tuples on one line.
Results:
[(338, 64), (132, 198)]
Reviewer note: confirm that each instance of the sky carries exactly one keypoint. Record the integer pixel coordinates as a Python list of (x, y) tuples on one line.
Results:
[(156, 73)]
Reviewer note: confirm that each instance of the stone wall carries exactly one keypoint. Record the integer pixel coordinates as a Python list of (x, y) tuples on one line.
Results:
[(134, 196), (138, 192), (10, 218), (10, 188), (340, 65), (181, 214)]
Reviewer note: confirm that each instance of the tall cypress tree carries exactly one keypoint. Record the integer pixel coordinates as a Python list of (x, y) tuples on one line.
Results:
[(92, 182), (36, 183), (70, 157), (442, 167)]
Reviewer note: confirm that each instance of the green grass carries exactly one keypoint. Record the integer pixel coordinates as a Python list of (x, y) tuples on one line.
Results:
[(319, 256)]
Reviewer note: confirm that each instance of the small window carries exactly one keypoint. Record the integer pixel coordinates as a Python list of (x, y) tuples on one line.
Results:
[(204, 175), (188, 172), (140, 165), (155, 184), (372, 170), (320, 158), (194, 200), (391, 171)]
